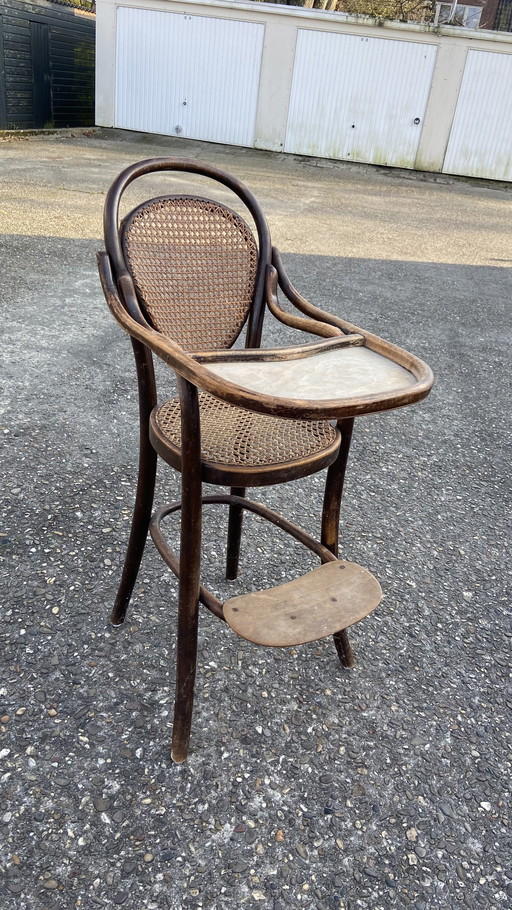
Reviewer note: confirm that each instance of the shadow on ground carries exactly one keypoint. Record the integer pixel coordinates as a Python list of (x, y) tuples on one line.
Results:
[(307, 786)]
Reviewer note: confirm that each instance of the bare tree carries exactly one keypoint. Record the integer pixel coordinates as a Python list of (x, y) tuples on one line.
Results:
[(403, 10)]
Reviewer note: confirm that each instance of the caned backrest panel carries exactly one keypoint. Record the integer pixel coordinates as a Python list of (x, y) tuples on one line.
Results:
[(193, 263)]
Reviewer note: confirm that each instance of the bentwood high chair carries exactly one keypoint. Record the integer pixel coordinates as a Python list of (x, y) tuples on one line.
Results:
[(184, 275)]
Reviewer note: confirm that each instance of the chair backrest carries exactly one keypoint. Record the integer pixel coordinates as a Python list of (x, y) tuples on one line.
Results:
[(195, 266)]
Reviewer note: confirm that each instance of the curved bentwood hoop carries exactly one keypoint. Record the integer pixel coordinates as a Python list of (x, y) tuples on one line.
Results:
[(184, 275)]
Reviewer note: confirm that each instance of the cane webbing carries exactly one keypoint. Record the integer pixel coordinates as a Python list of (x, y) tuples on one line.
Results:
[(234, 436), (194, 263)]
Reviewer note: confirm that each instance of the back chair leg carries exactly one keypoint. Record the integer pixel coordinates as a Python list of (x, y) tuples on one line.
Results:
[(343, 647), (139, 530), (331, 521), (234, 535), (145, 483)]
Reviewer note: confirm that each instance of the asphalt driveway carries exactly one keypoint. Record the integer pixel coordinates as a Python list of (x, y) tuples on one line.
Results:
[(307, 786)]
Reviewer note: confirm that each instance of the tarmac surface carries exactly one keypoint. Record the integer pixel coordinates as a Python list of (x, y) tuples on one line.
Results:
[(307, 786)]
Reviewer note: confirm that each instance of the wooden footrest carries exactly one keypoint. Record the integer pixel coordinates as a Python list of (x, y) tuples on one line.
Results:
[(320, 603)]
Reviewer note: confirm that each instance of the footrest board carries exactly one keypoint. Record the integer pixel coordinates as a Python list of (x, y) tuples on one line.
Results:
[(320, 603)]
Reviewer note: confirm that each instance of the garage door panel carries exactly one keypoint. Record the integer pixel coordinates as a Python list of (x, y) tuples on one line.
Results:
[(359, 98), (195, 76), (480, 143)]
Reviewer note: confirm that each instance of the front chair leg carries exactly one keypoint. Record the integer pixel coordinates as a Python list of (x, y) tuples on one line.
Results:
[(234, 535), (331, 521), (186, 661), (190, 565)]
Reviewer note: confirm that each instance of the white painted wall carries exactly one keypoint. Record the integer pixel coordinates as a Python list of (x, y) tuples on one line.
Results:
[(457, 98)]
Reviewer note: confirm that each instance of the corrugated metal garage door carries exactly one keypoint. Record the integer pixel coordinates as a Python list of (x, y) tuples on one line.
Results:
[(480, 142), (193, 76), (359, 98)]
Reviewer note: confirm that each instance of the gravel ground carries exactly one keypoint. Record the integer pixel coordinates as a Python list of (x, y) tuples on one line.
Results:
[(307, 786)]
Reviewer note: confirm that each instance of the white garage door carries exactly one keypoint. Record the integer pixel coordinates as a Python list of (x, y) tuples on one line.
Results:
[(481, 138), (193, 76), (358, 98)]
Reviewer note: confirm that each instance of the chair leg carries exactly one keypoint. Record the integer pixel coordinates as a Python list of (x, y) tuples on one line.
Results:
[(139, 529), (234, 535), (190, 565), (331, 520), (145, 483), (186, 658), (343, 647)]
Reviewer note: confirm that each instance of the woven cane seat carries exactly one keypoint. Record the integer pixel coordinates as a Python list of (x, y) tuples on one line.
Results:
[(236, 438)]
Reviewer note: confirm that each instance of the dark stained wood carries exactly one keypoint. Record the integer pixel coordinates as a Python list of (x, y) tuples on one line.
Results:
[(315, 326), (274, 355), (234, 535), (334, 488), (145, 484), (206, 597), (343, 647), (338, 593), (331, 522), (187, 367), (190, 559), (170, 558), (231, 475)]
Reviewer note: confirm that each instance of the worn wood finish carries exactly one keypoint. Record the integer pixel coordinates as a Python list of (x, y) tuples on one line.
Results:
[(349, 373), (145, 484), (344, 649), (234, 535), (333, 596), (334, 489), (153, 165), (199, 374), (331, 522), (315, 326), (190, 559), (275, 431), (205, 596), (300, 302), (274, 518), (274, 355)]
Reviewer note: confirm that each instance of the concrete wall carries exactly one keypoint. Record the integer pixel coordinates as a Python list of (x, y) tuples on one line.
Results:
[(281, 26)]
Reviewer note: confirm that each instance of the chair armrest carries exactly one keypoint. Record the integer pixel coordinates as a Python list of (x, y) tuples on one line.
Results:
[(420, 370), (185, 365), (196, 371), (300, 302), (304, 324)]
